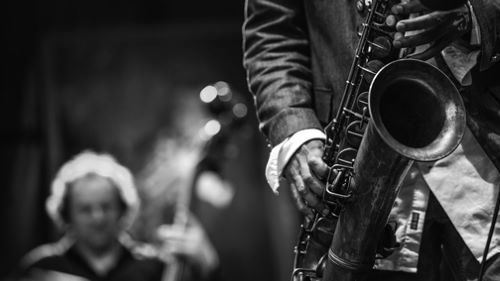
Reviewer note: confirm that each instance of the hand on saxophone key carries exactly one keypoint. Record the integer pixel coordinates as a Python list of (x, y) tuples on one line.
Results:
[(305, 173), (436, 28)]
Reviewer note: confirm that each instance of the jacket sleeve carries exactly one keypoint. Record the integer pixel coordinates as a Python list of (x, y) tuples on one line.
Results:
[(488, 16), (276, 58)]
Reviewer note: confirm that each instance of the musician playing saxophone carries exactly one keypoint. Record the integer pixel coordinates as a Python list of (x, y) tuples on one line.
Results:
[(297, 55)]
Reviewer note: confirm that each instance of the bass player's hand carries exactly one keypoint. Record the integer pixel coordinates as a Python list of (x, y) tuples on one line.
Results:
[(191, 243), (306, 173), (436, 28)]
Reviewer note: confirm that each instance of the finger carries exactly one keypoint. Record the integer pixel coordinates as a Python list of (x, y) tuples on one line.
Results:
[(170, 228), (180, 250), (171, 246), (170, 232), (412, 6), (305, 183), (172, 239), (305, 180), (301, 187), (318, 205), (177, 246), (297, 173), (318, 168), (433, 50), (300, 203), (421, 38), (313, 185), (314, 153), (426, 21)]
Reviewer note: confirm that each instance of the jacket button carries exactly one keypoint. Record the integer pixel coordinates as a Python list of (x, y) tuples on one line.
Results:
[(360, 5), (495, 58), (359, 30)]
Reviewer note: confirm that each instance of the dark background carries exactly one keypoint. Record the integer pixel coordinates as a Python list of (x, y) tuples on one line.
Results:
[(124, 77)]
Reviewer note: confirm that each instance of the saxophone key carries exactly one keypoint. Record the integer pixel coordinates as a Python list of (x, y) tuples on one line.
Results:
[(380, 47), (371, 69), (354, 133)]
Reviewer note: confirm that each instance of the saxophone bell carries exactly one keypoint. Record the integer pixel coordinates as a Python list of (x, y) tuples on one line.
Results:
[(417, 110)]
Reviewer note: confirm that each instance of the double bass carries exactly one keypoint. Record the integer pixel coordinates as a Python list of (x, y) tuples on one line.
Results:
[(229, 117)]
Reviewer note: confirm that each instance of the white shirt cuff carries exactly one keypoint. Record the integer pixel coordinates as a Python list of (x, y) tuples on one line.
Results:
[(281, 154), (460, 60)]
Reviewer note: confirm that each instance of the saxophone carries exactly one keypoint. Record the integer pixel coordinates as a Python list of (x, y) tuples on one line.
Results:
[(393, 112)]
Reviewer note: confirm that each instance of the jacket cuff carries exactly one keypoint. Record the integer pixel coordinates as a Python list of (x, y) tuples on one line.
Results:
[(289, 121)]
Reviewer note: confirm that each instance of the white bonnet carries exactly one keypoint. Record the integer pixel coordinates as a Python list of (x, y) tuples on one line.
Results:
[(88, 162)]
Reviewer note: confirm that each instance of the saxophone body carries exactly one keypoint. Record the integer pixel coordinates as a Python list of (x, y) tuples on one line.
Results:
[(393, 112)]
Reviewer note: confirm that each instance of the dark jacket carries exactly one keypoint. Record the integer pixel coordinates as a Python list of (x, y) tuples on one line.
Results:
[(137, 261), (62, 260)]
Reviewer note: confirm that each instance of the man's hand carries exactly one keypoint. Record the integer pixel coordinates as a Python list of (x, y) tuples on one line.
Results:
[(306, 173), (437, 28)]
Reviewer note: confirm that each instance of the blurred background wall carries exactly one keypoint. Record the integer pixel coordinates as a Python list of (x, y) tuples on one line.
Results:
[(124, 77)]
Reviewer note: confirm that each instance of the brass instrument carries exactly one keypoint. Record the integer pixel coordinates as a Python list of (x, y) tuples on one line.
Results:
[(389, 116)]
